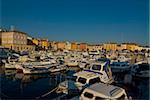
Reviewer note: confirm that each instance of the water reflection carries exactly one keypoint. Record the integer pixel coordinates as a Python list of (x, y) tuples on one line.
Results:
[(19, 86)]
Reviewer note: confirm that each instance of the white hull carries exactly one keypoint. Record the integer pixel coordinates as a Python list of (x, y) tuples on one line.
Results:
[(57, 70), (32, 71), (9, 66), (72, 64)]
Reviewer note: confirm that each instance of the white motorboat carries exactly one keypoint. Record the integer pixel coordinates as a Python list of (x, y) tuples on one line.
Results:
[(102, 68), (10, 62), (57, 68), (82, 64), (120, 66), (123, 59), (141, 70), (33, 64), (10, 65), (34, 70), (94, 52), (82, 80), (72, 63), (100, 91)]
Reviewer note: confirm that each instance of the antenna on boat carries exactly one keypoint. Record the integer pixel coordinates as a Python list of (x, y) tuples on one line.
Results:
[(12, 28), (122, 37)]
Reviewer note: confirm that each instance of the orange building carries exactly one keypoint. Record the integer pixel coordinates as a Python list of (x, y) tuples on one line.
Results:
[(82, 47), (61, 45), (74, 46)]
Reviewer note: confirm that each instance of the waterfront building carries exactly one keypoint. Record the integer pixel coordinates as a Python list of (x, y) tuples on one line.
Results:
[(35, 41), (110, 46), (82, 47), (130, 46), (94, 47), (68, 46), (74, 46), (61, 45), (44, 43), (15, 40), (53, 45)]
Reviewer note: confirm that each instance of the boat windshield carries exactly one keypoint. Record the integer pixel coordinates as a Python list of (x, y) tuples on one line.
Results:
[(96, 67), (82, 80), (88, 95), (95, 80)]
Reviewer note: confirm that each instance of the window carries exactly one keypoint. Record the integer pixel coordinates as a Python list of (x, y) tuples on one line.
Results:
[(99, 98), (96, 67), (82, 80), (95, 80), (88, 95)]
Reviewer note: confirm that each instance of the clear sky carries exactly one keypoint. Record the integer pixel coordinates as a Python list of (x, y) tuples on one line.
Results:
[(94, 21)]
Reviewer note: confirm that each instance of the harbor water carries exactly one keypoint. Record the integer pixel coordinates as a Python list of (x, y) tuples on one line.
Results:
[(19, 86)]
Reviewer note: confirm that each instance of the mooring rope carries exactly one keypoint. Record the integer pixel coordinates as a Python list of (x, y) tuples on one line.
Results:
[(46, 93)]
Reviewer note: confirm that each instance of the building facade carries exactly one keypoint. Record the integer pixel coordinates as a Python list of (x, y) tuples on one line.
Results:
[(74, 46), (82, 47), (110, 46), (68, 46), (94, 47), (61, 45), (15, 40), (44, 43), (130, 46)]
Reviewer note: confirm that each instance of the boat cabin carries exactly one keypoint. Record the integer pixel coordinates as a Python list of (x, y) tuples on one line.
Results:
[(84, 78), (100, 91)]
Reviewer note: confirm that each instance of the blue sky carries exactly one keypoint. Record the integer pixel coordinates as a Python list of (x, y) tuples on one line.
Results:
[(94, 21)]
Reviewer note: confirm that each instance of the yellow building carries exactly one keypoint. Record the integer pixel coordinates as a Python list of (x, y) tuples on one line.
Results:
[(110, 46), (35, 41), (44, 43), (15, 40), (130, 46)]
